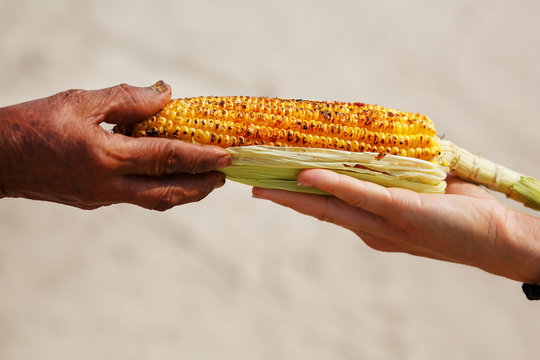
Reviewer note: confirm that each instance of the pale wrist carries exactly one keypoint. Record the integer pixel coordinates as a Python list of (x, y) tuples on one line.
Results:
[(523, 235)]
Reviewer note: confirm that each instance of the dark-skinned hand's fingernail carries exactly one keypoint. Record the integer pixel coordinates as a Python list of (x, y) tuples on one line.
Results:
[(224, 162), (160, 87), (221, 182)]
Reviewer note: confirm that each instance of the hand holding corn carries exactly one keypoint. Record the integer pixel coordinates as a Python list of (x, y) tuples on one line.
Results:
[(466, 225), (54, 149)]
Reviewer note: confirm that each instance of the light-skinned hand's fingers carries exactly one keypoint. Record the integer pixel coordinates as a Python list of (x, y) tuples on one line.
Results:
[(361, 194), (125, 104), (460, 187), (325, 208), (165, 192), (153, 156), (375, 231)]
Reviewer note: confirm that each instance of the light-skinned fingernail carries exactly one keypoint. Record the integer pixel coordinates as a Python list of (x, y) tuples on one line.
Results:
[(224, 162), (160, 87)]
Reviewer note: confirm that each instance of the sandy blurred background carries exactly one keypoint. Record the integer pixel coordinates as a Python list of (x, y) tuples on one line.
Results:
[(233, 277)]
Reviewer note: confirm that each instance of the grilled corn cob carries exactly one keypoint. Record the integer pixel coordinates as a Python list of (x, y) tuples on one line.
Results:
[(234, 121), (239, 121)]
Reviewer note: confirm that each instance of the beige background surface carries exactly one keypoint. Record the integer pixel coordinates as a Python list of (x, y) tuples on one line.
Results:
[(237, 278)]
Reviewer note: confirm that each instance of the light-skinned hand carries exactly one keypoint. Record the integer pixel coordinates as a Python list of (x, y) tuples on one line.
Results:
[(466, 225)]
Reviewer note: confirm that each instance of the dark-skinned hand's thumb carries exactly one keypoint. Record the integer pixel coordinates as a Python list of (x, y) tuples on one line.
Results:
[(126, 104)]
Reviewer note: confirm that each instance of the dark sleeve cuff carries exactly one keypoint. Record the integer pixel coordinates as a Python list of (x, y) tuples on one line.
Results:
[(532, 292)]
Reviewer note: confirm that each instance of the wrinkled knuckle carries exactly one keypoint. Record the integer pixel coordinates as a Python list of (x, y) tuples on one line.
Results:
[(171, 197), (125, 91), (201, 194), (161, 207), (70, 96), (96, 160), (168, 162), (194, 158), (88, 196), (326, 217), (88, 207), (71, 93), (123, 86), (107, 157), (108, 164)]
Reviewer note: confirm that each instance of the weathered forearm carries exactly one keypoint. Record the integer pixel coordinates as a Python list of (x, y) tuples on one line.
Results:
[(8, 145)]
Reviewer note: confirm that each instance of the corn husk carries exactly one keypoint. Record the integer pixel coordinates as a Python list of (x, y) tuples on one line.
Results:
[(277, 167), (527, 190), (482, 171)]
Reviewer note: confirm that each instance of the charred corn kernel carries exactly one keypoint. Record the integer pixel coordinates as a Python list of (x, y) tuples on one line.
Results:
[(238, 121)]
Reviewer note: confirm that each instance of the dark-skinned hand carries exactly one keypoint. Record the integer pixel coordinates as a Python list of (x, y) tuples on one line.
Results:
[(54, 149)]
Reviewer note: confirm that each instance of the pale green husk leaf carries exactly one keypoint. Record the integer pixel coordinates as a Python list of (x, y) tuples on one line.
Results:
[(277, 167), (528, 189)]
